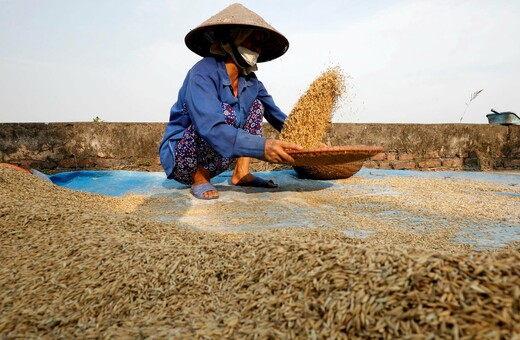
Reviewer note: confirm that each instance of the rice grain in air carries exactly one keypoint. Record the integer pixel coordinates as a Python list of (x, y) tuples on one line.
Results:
[(311, 117)]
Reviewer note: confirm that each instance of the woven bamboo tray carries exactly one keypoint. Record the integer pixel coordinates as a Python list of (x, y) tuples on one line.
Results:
[(332, 163), (333, 155)]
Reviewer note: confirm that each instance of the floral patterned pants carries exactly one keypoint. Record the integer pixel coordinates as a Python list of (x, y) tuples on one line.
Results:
[(192, 150)]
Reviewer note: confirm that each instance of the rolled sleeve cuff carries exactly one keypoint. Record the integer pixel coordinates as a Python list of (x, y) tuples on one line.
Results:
[(250, 146)]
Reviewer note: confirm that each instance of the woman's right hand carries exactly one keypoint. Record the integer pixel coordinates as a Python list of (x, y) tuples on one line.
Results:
[(275, 151)]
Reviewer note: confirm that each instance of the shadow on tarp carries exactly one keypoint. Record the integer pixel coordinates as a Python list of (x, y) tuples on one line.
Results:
[(119, 183), (287, 182)]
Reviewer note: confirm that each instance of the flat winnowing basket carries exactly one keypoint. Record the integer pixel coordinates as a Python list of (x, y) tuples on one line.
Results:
[(332, 163), (333, 155), (329, 172)]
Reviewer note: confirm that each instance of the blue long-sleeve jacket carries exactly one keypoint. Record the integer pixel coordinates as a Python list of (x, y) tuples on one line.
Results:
[(205, 88)]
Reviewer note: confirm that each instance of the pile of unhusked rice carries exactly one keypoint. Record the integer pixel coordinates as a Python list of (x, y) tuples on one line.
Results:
[(78, 265), (311, 117)]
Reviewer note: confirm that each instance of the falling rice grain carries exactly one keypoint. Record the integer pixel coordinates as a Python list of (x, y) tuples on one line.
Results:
[(311, 117)]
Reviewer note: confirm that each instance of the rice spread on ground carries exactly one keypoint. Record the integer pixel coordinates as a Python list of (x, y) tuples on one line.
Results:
[(79, 265)]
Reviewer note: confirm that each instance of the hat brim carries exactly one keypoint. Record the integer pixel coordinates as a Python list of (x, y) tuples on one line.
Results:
[(273, 47)]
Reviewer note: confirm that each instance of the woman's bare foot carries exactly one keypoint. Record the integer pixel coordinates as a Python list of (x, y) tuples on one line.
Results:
[(243, 177), (241, 172)]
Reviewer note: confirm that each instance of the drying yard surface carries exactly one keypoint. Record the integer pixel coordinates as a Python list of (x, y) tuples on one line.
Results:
[(371, 256)]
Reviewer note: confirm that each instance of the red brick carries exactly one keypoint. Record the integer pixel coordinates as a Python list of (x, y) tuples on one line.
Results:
[(105, 162), (432, 155), (402, 165), (379, 157), (406, 156), (85, 163), (452, 162), (384, 165), (391, 156), (430, 163), (68, 163)]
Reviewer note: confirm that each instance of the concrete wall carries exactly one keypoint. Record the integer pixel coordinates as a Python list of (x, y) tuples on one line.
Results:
[(81, 145), (426, 146), (65, 146)]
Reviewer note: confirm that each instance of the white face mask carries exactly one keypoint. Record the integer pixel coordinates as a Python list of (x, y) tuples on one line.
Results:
[(249, 56)]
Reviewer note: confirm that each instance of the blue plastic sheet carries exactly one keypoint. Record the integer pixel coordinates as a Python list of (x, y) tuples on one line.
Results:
[(295, 202), (121, 182), (116, 182)]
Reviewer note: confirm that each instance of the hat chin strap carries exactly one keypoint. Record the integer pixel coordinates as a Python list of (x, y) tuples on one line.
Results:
[(244, 67)]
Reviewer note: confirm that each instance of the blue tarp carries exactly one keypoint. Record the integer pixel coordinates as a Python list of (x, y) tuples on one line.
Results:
[(115, 182), (121, 182), (294, 203)]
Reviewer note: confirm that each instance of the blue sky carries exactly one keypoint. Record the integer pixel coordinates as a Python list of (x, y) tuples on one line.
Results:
[(124, 61)]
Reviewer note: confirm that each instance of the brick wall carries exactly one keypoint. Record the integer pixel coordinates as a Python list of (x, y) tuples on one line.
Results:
[(65, 146)]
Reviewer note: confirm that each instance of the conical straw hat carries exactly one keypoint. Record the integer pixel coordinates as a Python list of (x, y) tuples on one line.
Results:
[(199, 39)]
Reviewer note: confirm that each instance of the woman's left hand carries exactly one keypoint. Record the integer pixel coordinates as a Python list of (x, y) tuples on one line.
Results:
[(275, 151)]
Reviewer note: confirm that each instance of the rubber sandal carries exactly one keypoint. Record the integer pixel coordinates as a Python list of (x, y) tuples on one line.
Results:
[(200, 189)]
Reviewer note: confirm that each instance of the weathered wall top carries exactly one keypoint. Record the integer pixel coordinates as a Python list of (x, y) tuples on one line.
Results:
[(135, 145)]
